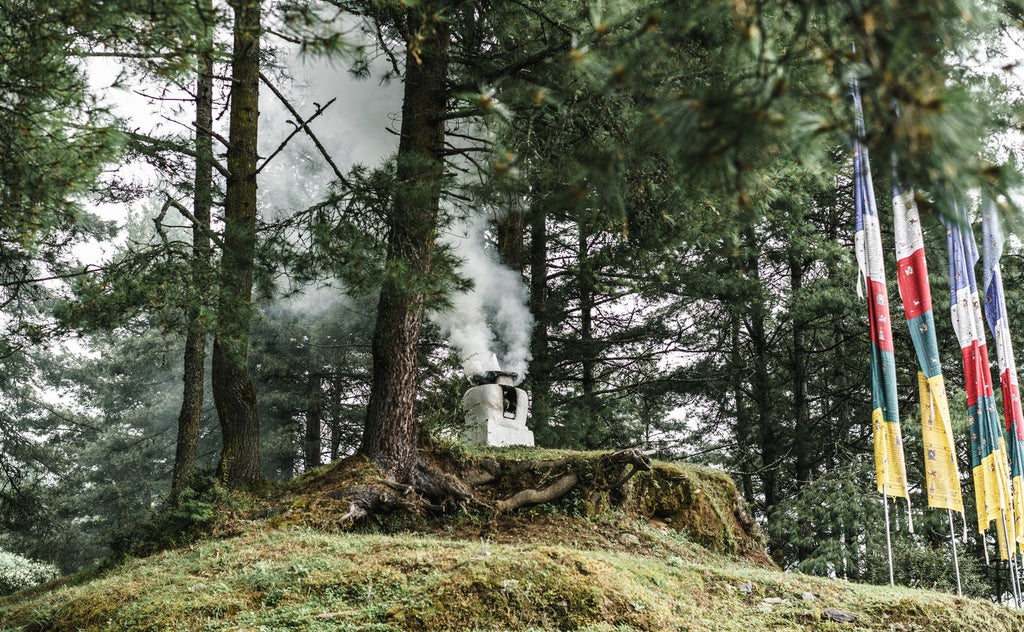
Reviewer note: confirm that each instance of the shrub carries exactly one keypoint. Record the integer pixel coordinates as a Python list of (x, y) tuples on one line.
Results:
[(18, 573)]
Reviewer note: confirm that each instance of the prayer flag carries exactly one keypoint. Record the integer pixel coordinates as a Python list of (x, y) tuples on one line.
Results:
[(995, 314), (942, 476), (890, 467), (988, 449)]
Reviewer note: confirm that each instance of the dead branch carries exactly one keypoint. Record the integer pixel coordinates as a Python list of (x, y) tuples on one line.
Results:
[(630, 461), (429, 488), (633, 457), (305, 127), (300, 126), (490, 470)]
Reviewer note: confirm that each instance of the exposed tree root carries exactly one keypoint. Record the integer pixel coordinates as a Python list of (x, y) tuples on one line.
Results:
[(426, 488), (429, 488), (527, 497), (612, 473), (367, 500)]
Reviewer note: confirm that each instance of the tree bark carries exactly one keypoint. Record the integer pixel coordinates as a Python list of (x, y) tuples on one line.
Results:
[(391, 432), (803, 436), (737, 372), (768, 438), (334, 421), (191, 414), (511, 231), (540, 366), (233, 391), (588, 348), (313, 440)]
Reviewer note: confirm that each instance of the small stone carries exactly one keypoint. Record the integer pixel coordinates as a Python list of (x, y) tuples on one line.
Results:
[(807, 596), (774, 600), (509, 585), (746, 588), (629, 538), (838, 615)]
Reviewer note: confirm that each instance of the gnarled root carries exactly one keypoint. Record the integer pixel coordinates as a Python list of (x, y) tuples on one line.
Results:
[(365, 500), (613, 471), (527, 497), (426, 487)]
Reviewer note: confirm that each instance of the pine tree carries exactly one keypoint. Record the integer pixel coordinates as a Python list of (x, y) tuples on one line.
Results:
[(190, 417), (233, 391)]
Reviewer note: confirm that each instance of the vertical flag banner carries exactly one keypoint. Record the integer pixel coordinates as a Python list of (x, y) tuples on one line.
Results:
[(995, 314), (942, 476), (988, 449), (890, 467)]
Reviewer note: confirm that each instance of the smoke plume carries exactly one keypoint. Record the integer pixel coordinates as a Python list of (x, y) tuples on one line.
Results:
[(490, 325)]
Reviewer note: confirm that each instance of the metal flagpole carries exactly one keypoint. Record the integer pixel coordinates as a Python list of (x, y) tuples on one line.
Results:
[(1012, 542), (1011, 548), (956, 560), (1011, 561), (1014, 579), (888, 536)]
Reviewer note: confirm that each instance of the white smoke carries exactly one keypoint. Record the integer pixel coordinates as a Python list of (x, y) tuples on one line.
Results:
[(490, 325)]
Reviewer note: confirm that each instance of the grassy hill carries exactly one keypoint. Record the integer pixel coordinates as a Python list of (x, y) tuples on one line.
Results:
[(674, 553)]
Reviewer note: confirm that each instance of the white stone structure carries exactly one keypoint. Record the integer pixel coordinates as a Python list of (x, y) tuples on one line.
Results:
[(496, 411)]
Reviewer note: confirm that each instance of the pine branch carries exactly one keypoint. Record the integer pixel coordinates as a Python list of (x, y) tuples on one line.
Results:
[(189, 216), (163, 144)]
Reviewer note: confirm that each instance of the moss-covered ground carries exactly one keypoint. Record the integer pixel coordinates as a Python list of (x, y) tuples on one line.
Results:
[(653, 560)]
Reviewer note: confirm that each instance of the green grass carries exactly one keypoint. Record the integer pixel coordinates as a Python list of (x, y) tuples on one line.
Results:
[(299, 579), (674, 550)]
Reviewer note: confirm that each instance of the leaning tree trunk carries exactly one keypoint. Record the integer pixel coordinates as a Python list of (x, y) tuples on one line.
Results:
[(233, 392), (390, 436), (190, 417)]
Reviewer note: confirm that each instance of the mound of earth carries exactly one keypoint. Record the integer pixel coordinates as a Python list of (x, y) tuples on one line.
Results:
[(629, 545), (570, 490)]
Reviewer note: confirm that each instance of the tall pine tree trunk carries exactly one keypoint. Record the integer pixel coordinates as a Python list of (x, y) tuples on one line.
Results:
[(511, 231), (761, 384), (762, 391), (743, 428), (190, 416), (233, 391), (391, 431), (588, 356), (313, 441), (803, 436), (540, 366), (335, 420)]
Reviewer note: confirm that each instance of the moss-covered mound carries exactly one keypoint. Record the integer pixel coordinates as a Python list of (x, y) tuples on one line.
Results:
[(667, 547), (700, 503)]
